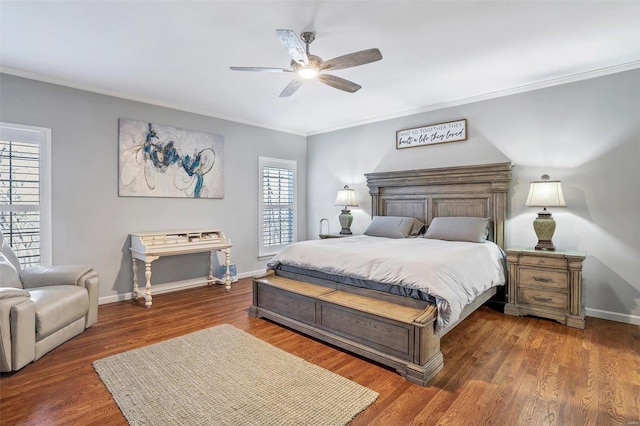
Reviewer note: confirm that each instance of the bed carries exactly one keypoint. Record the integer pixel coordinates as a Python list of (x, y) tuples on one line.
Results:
[(393, 323)]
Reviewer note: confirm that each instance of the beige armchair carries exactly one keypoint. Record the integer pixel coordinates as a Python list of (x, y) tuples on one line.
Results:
[(42, 307)]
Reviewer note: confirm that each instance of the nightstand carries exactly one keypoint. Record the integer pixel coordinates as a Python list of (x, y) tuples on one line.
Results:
[(324, 236), (547, 284)]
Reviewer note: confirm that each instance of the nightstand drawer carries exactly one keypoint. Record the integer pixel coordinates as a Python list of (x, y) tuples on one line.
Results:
[(544, 278), (543, 298), (552, 262)]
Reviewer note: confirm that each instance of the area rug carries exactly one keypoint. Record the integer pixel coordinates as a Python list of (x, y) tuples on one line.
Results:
[(224, 376)]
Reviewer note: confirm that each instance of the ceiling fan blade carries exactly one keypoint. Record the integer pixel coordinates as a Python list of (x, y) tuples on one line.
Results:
[(294, 46), (339, 83), (291, 88), (351, 60), (260, 69)]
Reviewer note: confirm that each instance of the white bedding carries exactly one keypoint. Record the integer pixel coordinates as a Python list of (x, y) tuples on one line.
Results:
[(453, 272)]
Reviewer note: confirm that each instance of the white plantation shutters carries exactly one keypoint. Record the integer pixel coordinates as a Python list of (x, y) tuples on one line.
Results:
[(277, 226), (24, 192)]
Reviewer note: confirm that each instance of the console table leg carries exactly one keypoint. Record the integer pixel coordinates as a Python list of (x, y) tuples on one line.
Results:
[(135, 277), (147, 274), (210, 279), (227, 280)]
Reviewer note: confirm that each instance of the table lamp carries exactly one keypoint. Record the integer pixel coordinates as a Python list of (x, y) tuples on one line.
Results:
[(347, 198), (545, 193)]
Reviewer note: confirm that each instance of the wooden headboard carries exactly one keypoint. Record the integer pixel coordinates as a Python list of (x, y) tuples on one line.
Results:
[(477, 191)]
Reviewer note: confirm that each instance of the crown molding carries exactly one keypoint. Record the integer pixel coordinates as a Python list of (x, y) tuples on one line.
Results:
[(120, 95), (483, 97), (487, 96)]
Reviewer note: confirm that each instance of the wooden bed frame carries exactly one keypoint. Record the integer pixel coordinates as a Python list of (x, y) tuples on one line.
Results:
[(396, 331)]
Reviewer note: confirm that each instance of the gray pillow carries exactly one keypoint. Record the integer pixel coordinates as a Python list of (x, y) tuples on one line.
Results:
[(8, 275), (472, 229), (393, 227)]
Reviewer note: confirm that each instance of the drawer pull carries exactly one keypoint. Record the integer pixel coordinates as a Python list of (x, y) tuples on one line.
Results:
[(543, 280), (542, 299)]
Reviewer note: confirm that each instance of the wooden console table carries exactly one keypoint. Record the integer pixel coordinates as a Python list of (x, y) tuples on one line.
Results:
[(150, 246)]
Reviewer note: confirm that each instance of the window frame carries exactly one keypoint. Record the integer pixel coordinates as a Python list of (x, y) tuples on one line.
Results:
[(265, 252), (39, 136)]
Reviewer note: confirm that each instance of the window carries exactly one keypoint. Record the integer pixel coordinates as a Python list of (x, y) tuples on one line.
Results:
[(277, 205), (25, 200)]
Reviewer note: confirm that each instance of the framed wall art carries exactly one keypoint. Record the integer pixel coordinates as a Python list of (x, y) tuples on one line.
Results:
[(163, 161), (451, 131)]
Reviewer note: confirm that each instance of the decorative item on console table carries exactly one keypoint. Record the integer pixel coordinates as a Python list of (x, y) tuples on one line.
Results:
[(547, 284)]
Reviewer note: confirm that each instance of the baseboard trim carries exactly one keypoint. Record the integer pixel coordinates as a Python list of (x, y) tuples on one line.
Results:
[(199, 282), (613, 316), (173, 286)]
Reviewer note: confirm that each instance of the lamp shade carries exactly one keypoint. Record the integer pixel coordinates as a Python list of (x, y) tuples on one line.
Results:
[(346, 197), (545, 193)]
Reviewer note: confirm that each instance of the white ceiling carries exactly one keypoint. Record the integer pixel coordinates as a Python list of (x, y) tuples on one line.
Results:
[(435, 53)]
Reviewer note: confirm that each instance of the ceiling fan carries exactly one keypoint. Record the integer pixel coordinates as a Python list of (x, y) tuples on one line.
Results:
[(308, 66)]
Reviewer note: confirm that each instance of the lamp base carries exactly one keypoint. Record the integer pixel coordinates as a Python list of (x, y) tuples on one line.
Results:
[(545, 226), (545, 245), (346, 218)]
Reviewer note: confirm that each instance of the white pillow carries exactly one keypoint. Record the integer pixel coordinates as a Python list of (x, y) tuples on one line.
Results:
[(472, 229), (393, 227), (8, 275)]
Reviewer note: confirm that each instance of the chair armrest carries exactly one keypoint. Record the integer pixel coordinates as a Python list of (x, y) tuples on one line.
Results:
[(10, 293), (41, 276), (23, 334), (13, 352), (91, 282)]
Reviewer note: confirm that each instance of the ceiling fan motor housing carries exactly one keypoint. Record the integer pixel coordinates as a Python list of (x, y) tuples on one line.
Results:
[(308, 36)]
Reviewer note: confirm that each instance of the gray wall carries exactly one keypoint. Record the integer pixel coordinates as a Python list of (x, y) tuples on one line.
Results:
[(91, 223), (586, 134)]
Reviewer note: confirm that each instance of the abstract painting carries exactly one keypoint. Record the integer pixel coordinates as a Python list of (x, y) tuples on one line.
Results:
[(163, 161)]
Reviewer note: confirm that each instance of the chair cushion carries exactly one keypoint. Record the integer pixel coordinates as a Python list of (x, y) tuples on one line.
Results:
[(8, 275), (58, 306)]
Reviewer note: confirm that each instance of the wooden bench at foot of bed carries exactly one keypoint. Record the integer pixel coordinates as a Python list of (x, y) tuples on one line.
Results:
[(376, 325)]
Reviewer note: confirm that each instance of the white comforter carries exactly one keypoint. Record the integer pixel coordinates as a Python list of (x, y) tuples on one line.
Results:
[(453, 272)]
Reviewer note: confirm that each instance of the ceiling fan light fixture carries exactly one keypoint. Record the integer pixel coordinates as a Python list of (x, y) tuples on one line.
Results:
[(307, 66), (307, 73)]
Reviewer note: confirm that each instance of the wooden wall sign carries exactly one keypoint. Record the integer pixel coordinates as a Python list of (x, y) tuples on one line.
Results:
[(435, 133)]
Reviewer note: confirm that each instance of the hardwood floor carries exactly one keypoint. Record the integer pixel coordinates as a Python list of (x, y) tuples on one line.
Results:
[(498, 369)]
